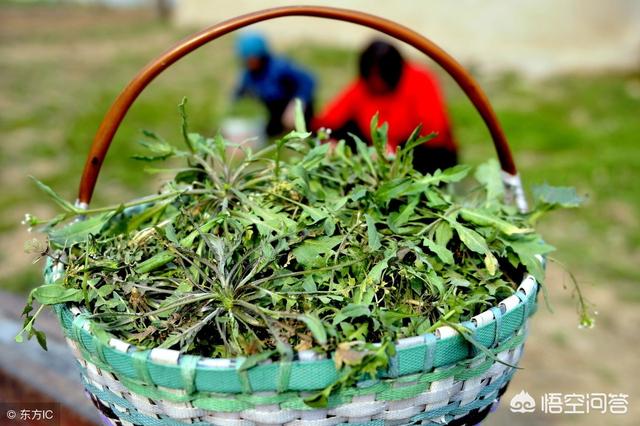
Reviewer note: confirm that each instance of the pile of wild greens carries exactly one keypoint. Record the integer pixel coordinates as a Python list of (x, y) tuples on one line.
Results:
[(304, 245)]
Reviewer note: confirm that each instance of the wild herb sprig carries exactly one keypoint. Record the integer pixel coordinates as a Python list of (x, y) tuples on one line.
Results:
[(304, 245)]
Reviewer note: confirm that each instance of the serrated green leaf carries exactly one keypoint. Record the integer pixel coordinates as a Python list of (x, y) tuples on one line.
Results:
[(484, 218), (403, 216), (106, 290), (372, 233), (310, 250), (309, 284), (375, 274), (395, 189), (391, 319), (450, 175), (470, 238), (184, 287), (527, 251), (315, 213), (489, 175), (294, 134), (405, 186), (51, 294), (497, 286), (352, 310), (443, 253), (329, 226), (315, 325), (443, 233), (160, 148), (79, 231), (556, 196), (312, 159)]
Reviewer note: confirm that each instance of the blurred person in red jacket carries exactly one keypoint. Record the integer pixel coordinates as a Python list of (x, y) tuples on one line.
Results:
[(404, 95)]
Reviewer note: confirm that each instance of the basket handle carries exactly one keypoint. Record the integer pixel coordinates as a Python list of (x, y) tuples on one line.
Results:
[(123, 102)]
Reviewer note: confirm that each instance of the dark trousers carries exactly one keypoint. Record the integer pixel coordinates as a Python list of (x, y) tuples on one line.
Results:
[(426, 159)]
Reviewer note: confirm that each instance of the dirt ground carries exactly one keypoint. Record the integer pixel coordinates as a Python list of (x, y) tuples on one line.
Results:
[(561, 358)]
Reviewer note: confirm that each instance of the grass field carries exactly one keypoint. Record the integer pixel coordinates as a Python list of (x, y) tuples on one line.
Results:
[(62, 67)]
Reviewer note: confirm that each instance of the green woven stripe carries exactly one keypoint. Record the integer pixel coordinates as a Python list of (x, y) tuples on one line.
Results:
[(131, 414), (224, 405), (467, 374), (410, 358), (263, 378), (141, 365), (231, 383), (489, 394), (312, 375), (303, 376), (404, 392), (153, 392), (188, 366), (384, 389), (367, 388)]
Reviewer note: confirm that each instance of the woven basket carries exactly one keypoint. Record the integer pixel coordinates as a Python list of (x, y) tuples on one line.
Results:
[(437, 378)]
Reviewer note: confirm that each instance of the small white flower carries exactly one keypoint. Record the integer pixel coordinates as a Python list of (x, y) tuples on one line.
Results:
[(27, 219)]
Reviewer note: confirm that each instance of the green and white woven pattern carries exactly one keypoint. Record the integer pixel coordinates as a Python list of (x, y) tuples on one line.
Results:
[(433, 378)]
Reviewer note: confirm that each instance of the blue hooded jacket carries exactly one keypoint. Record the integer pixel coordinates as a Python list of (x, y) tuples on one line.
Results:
[(279, 80)]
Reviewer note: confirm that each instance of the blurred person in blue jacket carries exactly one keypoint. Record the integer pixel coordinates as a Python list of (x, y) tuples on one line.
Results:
[(275, 81)]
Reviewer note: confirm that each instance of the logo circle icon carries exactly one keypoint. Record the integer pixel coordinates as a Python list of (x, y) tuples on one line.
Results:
[(11, 414), (522, 403)]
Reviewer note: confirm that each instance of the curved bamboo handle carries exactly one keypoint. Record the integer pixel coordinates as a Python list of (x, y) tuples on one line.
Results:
[(119, 108)]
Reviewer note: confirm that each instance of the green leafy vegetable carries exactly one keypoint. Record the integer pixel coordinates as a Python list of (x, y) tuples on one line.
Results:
[(298, 247)]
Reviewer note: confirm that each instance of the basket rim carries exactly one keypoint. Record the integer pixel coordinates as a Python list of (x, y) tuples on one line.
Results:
[(487, 327)]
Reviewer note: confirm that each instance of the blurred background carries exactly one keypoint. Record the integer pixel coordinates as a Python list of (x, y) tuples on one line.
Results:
[(563, 76)]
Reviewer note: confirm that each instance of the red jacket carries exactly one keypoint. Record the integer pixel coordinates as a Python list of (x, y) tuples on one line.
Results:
[(417, 99)]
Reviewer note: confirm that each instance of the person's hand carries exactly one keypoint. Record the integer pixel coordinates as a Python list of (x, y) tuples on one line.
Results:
[(289, 115)]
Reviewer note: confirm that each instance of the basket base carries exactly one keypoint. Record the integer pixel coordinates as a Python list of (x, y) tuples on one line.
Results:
[(474, 418)]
